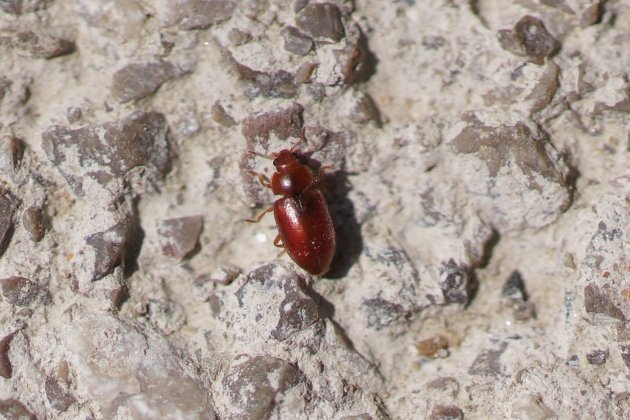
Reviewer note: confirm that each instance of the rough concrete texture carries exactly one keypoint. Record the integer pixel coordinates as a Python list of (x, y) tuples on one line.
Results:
[(477, 160)]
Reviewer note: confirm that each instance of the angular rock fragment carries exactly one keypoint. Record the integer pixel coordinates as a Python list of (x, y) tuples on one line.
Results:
[(38, 44), (34, 221), (108, 248), (6, 369), (15, 410), (545, 88), (238, 37), (284, 124), (529, 38), (321, 20), (109, 151), (124, 368), (591, 14), (179, 236), (514, 288), (295, 41), (455, 282), (138, 80), (11, 150), (304, 72), (606, 300), (59, 399), (597, 357), (220, 115), (74, 114), (20, 291), (365, 110), (256, 384), (200, 14), (8, 206), (488, 362), (280, 84)]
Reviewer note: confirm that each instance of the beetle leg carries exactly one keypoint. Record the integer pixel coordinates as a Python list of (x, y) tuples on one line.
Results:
[(322, 172), (302, 139), (278, 242), (264, 180), (260, 216)]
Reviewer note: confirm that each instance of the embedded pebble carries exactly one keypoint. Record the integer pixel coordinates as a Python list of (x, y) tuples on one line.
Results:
[(284, 123), (59, 398), (35, 223), (108, 151), (108, 248), (20, 291), (514, 288), (295, 41), (280, 84), (179, 236), (11, 151), (321, 20), (365, 110), (488, 362), (597, 357), (529, 38), (8, 206), (545, 88), (220, 115), (138, 80), (6, 369)]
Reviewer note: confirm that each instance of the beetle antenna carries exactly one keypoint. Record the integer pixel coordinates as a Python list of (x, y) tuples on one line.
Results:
[(301, 140), (271, 156)]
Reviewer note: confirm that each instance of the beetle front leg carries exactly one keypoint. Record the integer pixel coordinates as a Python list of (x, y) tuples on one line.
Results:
[(278, 242), (264, 180), (260, 216)]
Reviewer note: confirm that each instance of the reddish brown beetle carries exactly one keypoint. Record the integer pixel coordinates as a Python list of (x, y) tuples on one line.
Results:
[(304, 225)]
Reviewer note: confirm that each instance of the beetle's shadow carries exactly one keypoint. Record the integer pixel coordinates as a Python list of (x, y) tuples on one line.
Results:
[(336, 187)]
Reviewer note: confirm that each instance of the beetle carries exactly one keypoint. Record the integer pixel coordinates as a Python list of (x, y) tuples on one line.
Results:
[(305, 229)]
